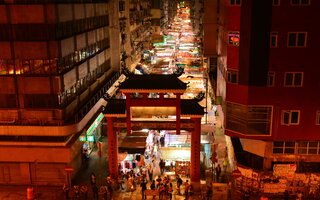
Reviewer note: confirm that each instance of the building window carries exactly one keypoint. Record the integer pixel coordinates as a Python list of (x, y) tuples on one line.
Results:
[(318, 118), (273, 39), (276, 2), (234, 38), (308, 147), (297, 39), (270, 79), (296, 147), (122, 6), (300, 2), (283, 147), (232, 76), (235, 2), (293, 79), (290, 117)]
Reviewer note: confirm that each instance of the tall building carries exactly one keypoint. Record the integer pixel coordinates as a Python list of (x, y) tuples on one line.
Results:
[(56, 61), (135, 30), (267, 78)]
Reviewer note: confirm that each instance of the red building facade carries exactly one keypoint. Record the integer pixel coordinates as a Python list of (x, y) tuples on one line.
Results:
[(271, 85)]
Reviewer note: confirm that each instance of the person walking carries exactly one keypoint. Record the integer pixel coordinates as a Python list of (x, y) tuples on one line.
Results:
[(66, 190), (93, 179), (186, 189), (225, 164), (170, 191), (143, 188), (218, 172), (191, 192), (161, 191), (153, 185), (95, 192), (208, 192), (179, 183), (84, 192), (162, 165), (76, 190)]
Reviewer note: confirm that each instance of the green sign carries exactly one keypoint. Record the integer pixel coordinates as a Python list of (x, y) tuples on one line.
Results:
[(95, 124), (82, 138)]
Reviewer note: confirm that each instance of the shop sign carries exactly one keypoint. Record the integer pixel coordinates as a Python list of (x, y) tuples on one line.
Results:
[(284, 170), (82, 138), (90, 138), (95, 124), (236, 173)]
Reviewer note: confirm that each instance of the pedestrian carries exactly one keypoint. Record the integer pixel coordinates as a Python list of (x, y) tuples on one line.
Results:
[(186, 189), (179, 183), (150, 172), (120, 181), (225, 164), (208, 192), (286, 195), (246, 195), (66, 190), (218, 172), (143, 188), (76, 190), (161, 191), (153, 185), (84, 192), (106, 193), (162, 165), (191, 192), (95, 191), (93, 178), (162, 141), (158, 181), (263, 197), (170, 191), (299, 195)]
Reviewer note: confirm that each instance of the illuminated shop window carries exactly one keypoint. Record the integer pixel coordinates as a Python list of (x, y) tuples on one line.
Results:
[(318, 118), (234, 38), (297, 39), (290, 117), (232, 76), (300, 2), (293, 79), (270, 79), (274, 39), (235, 2)]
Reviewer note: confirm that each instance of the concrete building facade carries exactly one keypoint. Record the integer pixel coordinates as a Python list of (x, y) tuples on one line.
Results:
[(58, 58)]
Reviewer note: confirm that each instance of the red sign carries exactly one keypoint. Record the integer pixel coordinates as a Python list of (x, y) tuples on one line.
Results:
[(68, 169), (236, 173)]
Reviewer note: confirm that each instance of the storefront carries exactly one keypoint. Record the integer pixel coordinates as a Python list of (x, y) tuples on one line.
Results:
[(92, 135)]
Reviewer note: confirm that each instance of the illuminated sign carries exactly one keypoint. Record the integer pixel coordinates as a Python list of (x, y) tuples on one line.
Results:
[(82, 138), (95, 124), (90, 138)]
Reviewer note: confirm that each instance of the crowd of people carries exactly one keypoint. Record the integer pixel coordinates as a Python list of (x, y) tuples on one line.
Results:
[(77, 192)]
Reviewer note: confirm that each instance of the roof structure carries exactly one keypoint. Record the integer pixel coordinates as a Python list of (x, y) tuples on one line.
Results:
[(153, 82), (189, 107)]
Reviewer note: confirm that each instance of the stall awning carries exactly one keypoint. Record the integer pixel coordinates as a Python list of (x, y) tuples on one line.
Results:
[(134, 143)]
